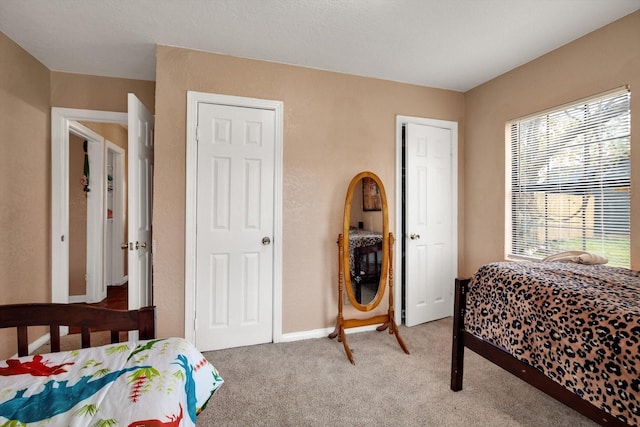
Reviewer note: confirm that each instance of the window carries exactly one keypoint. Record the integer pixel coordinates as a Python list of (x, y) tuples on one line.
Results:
[(570, 180)]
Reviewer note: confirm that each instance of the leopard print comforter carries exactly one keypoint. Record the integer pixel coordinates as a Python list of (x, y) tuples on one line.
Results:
[(577, 324)]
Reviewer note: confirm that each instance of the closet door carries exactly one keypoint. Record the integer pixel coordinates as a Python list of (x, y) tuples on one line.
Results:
[(430, 219), (235, 223)]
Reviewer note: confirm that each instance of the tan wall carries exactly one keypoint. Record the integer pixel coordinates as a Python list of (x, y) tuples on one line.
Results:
[(603, 60), (335, 125), (24, 181), (98, 93), (112, 132), (77, 219)]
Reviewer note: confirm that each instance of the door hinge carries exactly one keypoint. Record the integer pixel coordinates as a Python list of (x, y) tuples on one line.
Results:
[(195, 324)]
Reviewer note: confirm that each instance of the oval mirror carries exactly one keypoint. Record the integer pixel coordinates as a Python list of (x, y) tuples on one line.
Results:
[(366, 241)]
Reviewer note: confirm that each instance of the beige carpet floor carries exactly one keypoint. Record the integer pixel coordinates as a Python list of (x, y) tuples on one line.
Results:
[(312, 383)]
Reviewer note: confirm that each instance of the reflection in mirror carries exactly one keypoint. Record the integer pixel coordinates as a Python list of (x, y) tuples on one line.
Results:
[(365, 241)]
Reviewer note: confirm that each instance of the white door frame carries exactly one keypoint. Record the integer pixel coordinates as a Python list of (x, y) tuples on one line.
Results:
[(193, 98), (445, 124), (62, 122)]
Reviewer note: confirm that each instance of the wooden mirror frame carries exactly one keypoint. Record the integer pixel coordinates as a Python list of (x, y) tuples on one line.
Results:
[(384, 269), (386, 274)]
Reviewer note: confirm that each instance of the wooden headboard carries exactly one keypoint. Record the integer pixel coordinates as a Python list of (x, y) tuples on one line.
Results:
[(85, 317)]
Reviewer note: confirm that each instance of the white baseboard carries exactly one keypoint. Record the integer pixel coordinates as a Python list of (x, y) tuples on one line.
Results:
[(322, 333), (121, 282), (33, 346), (36, 344), (289, 337), (74, 299)]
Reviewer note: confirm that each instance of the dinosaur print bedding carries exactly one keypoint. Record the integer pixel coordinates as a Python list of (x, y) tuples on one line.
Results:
[(577, 324), (161, 382)]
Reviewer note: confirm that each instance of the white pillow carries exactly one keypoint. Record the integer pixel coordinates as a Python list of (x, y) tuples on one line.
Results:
[(580, 257)]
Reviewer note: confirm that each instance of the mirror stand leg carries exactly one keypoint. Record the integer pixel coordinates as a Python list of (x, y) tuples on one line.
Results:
[(335, 332), (338, 328), (382, 327), (343, 337), (393, 329)]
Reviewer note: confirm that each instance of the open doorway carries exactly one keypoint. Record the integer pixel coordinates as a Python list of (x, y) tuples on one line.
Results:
[(70, 128), (138, 170), (97, 212)]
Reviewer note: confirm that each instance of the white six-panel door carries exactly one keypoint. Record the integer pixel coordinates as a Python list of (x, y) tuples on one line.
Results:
[(140, 193), (234, 223), (430, 222)]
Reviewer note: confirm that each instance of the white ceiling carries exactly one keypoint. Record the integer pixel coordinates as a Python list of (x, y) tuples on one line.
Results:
[(449, 44)]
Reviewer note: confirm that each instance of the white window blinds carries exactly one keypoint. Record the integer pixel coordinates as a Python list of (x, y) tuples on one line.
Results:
[(570, 180)]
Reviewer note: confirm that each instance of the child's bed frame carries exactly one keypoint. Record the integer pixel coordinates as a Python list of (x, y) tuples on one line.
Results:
[(85, 317)]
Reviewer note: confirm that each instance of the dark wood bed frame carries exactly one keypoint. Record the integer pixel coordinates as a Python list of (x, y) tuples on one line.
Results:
[(87, 318), (506, 361)]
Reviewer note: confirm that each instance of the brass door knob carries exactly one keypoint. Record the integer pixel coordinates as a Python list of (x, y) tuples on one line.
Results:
[(124, 246), (414, 236), (141, 245)]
